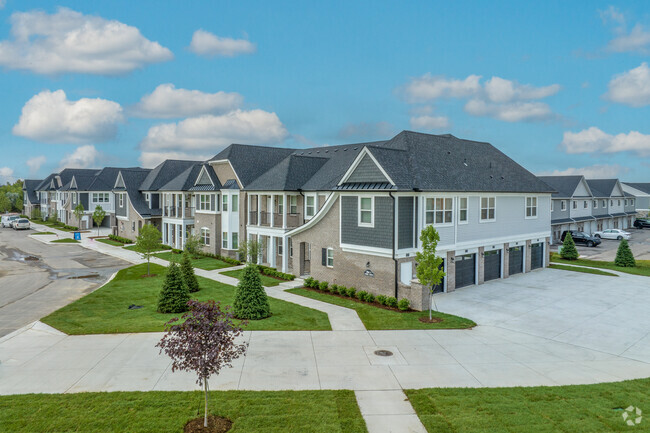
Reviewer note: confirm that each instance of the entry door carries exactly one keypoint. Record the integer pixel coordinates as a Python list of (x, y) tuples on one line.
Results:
[(537, 255), (305, 258), (465, 270), (438, 288), (492, 265), (516, 265)]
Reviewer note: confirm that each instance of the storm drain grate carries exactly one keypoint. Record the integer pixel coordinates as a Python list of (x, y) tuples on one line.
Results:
[(383, 353)]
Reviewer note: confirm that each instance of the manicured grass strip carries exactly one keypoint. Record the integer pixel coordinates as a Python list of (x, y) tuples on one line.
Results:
[(266, 280), (577, 408), (375, 318), (168, 412), (642, 266), (105, 311), (110, 242), (65, 241), (43, 233), (57, 226), (205, 263), (583, 270), (135, 248)]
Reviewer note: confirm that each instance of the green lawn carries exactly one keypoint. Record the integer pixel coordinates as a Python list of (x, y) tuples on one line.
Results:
[(569, 409), (43, 233), (65, 241), (378, 318), (110, 242), (168, 412), (266, 280), (205, 263), (56, 226), (105, 311), (583, 270), (642, 266)]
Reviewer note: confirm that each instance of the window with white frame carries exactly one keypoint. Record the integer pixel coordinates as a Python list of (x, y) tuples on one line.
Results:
[(121, 199), (438, 210), (293, 204), (595, 204), (488, 208), (224, 240), (280, 246), (462, 210), (280, 204), (234, 201), (631, 202), (330, 258), (235, 241), (366, 211), (224, 203), (310, 206), (206, 202), (531, 207), (619, 203), (562, 205), (575, 204), (74, 198), (611, 202), (205, 236), (604, 203), (552, 205), (100, 197), (584, 204), (290, 247), (147, 198)]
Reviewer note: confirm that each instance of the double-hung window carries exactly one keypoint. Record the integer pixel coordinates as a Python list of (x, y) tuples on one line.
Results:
[(595, 204), (205, 236), (604, 203), (562, 205), (100, 197), (234, 201), (224, 240), (584, 204), (366, 212), (462, 210), (310, 206), (206, 202), (224, 203), (280, 204), (575, 204), (235, 241), (488, 208), (531, 207), (121, 195), (438, 210), (293, 204), (330, 258)]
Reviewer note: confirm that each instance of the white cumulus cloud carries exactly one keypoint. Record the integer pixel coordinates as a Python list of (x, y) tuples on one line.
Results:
[(210, 132), (166, 102), (83, 157), (428, 122), (208, 44), (6, 175), (497, 97), (631, 88), (52, 118), (35, 163), (71, 42), (597, 171), (594, 140)]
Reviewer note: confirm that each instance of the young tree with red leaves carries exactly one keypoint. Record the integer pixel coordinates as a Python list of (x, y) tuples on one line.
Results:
[(204, 342)]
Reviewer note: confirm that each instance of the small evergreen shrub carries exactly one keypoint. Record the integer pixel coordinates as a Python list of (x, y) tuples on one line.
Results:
[(343, 291), (251, 302), (309, 281), (404, 304), (271, 272), (624, 256), (352, 292), (120, 239), (174, 294), (334, 289), (382, 299), (187, 271), (177, 251), (370, 298), (315, 284), (569, 250), (391, 301), (361, 295), (323, 286)]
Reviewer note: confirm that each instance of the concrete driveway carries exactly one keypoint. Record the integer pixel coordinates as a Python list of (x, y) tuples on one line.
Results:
[(38, 278)]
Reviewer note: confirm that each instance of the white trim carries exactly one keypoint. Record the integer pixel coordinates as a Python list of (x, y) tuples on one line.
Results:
[(532, 217), (444, 199), (117, 180), (357, 161), (371, 224), (315, 206), (327, 257), (203, 168), (358, 249), (319, 215), (480, 209), (466, 210)]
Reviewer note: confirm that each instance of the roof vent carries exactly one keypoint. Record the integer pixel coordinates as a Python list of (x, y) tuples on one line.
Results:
[(449, 152), (491, 177), (345, 150), (326, 151), (502, 177), (355, 148)]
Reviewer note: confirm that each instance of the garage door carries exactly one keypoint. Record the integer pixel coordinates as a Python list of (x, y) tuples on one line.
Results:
[(516, 265), (465, 266), (537, 255), (492, 265)]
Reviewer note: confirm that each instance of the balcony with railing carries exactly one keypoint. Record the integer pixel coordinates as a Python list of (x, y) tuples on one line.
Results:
[(265, 219), (177, 212)]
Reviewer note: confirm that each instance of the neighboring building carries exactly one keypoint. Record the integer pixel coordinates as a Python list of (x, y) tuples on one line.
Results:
[(133, 209), (609, 192), (31, 199), (641, 194)]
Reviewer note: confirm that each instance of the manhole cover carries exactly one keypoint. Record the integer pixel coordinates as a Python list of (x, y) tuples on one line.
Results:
[(383, 353)]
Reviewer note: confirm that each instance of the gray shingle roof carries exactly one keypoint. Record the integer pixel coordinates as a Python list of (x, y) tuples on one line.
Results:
[(644, 187), (290, 174), (133, 178), (29, 186), (564, 186), (250, 162), (230, 184), (164, 173), (184, 181), (602, 187)]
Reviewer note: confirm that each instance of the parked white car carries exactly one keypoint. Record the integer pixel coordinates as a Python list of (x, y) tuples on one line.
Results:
[(617, 234), (21, 224), (7, 219)]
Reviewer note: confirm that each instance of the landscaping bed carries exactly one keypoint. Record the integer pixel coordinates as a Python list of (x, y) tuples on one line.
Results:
[(575, 408), (168, 412), (202, 262), (377, 317), (642, 266), (105, 311), (109, 242), (583, 270), (267, 281)]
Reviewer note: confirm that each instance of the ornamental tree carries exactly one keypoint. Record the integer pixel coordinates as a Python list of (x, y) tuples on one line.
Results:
[(429, 269), (569, 250), (624, 256), (78, 213), (251, 302), (187, 272), (202, 341), (148, 241), (174, 294), (98, 216)]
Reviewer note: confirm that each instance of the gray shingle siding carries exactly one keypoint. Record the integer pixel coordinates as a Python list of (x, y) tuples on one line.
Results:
[(367, 171), (121, 211), (83, 199), (405, 233), (558, 213), (379, 236)]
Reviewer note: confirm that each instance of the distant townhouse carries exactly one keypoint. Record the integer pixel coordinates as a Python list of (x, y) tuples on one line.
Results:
[(31, 199), (641, 194), (609, 193), (133, 209)]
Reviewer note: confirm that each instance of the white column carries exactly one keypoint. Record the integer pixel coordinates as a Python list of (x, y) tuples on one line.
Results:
[(272, 210), (259, 214), (285, 254), (259, 253), (284, 211), (248, 209), (272, 250), (183, 205), (183, 228)]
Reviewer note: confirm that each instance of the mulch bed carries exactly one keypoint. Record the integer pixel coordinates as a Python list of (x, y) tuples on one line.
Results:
[(216, 424), (432, 320), (359, 301)]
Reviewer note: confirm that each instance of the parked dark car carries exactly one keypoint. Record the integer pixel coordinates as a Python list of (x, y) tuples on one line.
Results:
[(582, 238), (641, 223)]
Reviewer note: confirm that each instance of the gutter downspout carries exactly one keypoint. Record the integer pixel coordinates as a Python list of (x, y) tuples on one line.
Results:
[(394, 229)]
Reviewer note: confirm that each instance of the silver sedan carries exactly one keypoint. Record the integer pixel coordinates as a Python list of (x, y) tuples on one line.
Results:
[(617, 234)]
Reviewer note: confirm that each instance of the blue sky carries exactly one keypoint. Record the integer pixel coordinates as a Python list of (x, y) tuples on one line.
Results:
[(561, 87)]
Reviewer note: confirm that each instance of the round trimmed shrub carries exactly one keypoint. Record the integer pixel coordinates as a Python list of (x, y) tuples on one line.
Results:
[(382, 299), (370, 298), (404, 304), (391, 302), (323, 286)]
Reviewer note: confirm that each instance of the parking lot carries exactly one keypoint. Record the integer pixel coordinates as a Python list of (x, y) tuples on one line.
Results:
[(639, 243)]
